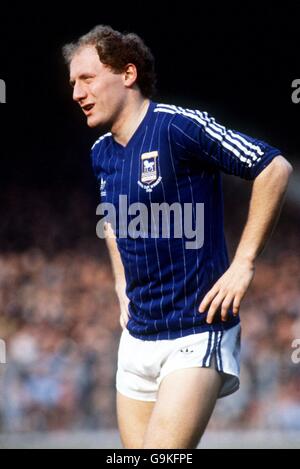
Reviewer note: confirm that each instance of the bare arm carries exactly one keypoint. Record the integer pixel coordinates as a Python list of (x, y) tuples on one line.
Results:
[(265, 205), (119, 274)]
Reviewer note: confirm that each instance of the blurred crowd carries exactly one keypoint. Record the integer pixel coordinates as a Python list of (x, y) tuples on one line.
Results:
[(269, 396), (59, 317)]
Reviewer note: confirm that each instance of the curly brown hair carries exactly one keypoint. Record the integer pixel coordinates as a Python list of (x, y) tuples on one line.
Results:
[(116, 50)]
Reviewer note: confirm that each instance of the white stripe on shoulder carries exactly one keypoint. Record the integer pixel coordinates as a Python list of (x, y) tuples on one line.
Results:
[(168, 111), (101, 138), (225, 136), (222, 130), (174, 108)]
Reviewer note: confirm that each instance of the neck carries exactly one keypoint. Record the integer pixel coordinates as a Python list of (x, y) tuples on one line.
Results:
[(129, 119)]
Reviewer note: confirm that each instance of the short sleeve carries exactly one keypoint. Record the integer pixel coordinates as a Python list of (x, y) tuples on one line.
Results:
[(198, 134)]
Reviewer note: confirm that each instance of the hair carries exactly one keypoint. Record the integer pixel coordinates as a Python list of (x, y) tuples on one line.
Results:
[(116, 50)]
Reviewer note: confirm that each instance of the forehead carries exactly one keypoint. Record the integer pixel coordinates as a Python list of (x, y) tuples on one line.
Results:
[(86, 60)]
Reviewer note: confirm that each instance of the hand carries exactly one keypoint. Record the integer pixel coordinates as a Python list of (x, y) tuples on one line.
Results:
[(124, 302), (229, 290)]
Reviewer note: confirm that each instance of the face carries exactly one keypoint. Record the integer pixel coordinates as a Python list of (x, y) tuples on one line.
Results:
[(99, 92)]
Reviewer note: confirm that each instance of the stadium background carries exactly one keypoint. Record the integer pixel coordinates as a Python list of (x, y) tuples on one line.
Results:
[(58, 311)]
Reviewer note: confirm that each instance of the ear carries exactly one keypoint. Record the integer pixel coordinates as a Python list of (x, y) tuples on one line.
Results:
[(130, 75)]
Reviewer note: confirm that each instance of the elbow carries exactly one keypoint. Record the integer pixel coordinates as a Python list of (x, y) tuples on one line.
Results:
[(280, 169), (291, 169), (282, 172), (283, 166), (276, 175)]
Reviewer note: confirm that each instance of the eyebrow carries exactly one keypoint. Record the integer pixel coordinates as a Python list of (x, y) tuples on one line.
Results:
[(83, 76)]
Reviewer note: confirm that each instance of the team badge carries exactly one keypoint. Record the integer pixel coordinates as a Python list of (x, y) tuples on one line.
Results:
[(149, 171)]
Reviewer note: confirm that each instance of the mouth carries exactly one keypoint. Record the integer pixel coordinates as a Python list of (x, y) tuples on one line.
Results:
[(87, 108)]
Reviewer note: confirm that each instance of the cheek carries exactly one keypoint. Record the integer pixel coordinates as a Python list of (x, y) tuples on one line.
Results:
[(108, 94), (95, 90)]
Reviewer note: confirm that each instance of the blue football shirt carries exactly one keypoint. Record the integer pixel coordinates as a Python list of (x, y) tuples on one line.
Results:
[(176, 156)]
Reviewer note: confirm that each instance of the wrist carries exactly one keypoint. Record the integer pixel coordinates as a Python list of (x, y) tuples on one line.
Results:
[(245, 259)]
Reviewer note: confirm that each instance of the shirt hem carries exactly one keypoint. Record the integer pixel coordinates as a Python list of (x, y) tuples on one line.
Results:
[(169, 335)]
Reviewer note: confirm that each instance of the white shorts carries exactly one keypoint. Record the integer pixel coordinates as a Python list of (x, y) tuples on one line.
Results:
[(143, 364)]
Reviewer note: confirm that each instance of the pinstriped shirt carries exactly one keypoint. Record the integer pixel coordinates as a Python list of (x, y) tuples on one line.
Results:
[(175, 156)]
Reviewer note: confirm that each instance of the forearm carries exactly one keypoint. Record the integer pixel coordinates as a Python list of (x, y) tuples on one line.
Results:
[(116, 261), (119, 274), (265, 205), (266, 201)]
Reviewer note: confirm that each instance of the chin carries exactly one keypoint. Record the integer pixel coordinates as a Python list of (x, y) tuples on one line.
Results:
[(93, 122), (92, 125)]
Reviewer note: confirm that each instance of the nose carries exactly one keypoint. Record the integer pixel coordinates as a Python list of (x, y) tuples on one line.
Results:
[(79, 92)]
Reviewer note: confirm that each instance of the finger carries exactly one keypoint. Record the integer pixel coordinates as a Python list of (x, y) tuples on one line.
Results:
[(214, 307), (208, 299), (225, 307), (236, 305)]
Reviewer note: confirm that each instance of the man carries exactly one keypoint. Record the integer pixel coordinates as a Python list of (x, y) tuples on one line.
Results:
[(179, 349)]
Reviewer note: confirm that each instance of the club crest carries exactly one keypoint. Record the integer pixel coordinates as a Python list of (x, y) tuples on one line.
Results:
[(149, 171)]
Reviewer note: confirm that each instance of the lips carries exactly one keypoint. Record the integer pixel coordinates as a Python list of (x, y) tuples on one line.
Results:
[(87, 108)]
